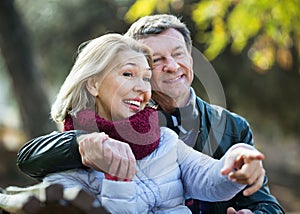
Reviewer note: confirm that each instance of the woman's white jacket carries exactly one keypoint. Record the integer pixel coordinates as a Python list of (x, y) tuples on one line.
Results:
[(163, 180)]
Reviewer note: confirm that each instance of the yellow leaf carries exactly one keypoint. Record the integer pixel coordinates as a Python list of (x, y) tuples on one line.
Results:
[(139, 9)]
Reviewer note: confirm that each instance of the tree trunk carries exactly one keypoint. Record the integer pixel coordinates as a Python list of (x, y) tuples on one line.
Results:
[(26, 81)]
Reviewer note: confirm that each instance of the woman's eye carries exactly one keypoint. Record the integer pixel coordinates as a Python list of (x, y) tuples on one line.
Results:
[(147, 79), (127, 74)]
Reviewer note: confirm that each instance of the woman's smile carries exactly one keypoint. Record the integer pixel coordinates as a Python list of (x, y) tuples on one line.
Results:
[(134, 104)]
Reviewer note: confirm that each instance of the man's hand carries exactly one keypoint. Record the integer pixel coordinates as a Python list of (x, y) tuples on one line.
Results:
[(244, 166), (231, 210), (105, 154)]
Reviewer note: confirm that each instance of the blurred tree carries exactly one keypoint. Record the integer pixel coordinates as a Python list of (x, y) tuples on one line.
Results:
[(26, 81), (59, 27)]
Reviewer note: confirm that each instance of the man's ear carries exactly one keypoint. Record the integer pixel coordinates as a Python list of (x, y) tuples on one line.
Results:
[(91, 86)]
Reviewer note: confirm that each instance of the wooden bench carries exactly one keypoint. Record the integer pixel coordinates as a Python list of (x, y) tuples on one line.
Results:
[(47, 198)]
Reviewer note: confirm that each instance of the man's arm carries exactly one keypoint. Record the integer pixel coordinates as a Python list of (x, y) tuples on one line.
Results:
[(50, 153), (75, 149), (261, 202)]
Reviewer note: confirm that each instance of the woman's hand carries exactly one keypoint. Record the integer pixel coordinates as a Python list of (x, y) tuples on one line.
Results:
[(105, 154), (243, 165)]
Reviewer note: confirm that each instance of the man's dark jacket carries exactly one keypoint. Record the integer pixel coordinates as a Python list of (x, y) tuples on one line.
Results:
[(219, 130)]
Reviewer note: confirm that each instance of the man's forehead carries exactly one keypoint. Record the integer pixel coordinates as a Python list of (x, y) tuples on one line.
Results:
[(170, 39), (168, 34)]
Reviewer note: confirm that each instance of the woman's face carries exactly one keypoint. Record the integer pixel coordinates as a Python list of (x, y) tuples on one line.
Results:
[(126, 89)]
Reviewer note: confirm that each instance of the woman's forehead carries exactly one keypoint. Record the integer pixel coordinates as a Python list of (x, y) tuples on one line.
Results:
[(131, 57)]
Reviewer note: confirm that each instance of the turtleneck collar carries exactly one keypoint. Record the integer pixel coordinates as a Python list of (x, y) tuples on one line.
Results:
[(141, 131)]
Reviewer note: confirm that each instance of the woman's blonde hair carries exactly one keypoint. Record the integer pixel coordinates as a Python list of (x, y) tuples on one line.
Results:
[(96, 56)]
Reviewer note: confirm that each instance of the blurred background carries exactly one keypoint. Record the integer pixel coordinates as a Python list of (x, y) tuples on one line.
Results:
[(254, 47)]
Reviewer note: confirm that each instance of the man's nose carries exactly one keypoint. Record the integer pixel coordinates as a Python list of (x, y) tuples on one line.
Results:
[(170, 65)]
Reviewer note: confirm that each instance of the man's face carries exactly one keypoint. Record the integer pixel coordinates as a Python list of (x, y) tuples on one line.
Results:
[(173, 65)]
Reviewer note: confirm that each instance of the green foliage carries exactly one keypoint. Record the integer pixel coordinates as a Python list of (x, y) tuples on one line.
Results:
[(270, 28), (139, 9), (145, 7)]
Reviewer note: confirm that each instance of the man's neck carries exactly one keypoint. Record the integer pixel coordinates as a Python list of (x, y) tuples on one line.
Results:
[(184, 101)]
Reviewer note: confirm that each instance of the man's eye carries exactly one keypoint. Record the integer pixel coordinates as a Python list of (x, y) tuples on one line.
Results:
[(178, 54), (156, 60)]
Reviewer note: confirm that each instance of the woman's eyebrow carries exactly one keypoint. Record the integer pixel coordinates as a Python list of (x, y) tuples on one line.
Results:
[(134, 64), (130, 63)]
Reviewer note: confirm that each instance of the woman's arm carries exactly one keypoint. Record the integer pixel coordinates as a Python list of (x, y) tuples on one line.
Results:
[(114, 196), (202, 175)]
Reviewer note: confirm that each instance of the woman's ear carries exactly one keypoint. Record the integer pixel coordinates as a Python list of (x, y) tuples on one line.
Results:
[(91, 86)]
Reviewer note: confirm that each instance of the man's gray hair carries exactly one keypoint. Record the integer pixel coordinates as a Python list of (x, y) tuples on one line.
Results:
[(156, 24)]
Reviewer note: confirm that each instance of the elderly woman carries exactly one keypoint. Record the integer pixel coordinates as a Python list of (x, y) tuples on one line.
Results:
[(107, 91)]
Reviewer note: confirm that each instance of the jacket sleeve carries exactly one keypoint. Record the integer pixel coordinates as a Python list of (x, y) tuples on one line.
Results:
[(121, 197), (261, 202), (54, 152), (202, 176)]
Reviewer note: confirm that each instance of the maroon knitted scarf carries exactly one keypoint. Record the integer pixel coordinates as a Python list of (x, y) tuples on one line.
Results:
[(141, 131)]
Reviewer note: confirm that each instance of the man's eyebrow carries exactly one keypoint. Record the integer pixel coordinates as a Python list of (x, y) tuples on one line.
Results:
[(178, 47), (174, 49)]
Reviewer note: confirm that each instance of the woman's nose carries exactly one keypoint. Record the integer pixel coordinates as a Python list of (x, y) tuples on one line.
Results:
[(142, 86)]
